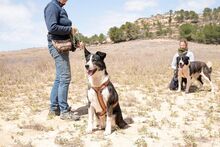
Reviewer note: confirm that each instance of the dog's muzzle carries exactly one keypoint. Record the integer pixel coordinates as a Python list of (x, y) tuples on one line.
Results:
[(90, 72), (181, 65)]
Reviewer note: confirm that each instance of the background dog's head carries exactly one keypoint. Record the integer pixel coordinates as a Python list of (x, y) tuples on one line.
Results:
[(94, 62), (182, 61)]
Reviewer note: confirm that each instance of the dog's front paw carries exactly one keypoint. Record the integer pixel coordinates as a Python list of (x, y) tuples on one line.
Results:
[(95, 126), (89, 130), (213, 90), (179, 90), (187, 92), (107, 132)]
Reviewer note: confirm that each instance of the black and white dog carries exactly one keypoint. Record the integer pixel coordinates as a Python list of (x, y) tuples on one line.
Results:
[(102, 96), (195, 69)]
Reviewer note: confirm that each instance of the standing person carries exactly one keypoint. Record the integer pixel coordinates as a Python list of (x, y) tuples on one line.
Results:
[(59, 28), (182, 50)]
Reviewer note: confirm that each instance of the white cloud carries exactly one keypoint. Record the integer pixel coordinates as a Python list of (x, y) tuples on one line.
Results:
[(139, 5), (18, 26), (117, 19), (196, 5), (108, 20), (131, 11)]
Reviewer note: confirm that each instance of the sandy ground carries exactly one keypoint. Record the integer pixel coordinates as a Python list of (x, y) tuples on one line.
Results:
[(140, 74)]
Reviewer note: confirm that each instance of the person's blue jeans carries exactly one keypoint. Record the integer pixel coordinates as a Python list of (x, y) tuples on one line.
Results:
[(59, 92)]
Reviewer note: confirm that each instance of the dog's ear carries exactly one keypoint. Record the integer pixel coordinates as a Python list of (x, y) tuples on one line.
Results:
[(86, 52), (101, 54), (177, 59), (186, 60)]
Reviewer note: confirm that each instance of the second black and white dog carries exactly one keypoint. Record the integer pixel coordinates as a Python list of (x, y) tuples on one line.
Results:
[(102, 96), (195, 69)]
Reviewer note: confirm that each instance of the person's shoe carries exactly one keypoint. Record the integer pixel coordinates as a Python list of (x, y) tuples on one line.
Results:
[(69, 116), (55, 113), (52, 114)]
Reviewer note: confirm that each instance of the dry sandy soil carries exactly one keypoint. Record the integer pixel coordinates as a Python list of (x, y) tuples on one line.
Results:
[(140, 71)]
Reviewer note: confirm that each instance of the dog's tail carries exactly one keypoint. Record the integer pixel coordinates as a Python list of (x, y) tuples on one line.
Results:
[(209, 64), (119, 118), (120, 122)]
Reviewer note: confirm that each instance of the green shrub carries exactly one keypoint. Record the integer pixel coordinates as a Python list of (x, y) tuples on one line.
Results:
[(187, 31), (116, 34)]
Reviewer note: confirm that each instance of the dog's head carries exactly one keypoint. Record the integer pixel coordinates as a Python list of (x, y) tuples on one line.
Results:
[(182, 61), (94, 62)]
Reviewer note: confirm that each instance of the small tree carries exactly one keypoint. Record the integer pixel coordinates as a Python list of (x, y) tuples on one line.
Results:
[(211, 33), (186, 15), (169, 30), (193, 16), (207, 14), (147, 33), (94, 39), (130, 30), (179, 16), (159, 29), (170, 17), (83, 38), (116, 35), (187, 31), (199, 36), (216, 14), (102, 38)]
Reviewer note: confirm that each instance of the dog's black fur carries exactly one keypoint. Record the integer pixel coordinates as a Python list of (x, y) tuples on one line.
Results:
[(98, 65), (197, 69)]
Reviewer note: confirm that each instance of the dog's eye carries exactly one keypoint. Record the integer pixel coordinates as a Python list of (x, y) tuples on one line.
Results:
[(94, 60)]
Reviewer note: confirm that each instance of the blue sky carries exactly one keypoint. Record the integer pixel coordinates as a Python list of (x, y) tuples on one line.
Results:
[(22, 23)]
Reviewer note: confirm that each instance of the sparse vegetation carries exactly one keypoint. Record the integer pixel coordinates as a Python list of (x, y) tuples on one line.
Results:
[(36, 126), (140, 142), (202, 28), (73, 141), (140, 75), (189, 140), (93, 40), (208, 34)]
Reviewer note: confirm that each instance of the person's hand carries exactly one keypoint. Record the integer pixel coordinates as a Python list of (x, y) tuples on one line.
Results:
[(81, 45), (74, 30)]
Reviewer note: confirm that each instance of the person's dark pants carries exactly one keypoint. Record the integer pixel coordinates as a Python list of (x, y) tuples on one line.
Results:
[(174, 81)]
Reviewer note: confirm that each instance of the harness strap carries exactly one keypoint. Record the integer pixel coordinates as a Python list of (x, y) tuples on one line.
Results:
[(98, 91), (183, 72)]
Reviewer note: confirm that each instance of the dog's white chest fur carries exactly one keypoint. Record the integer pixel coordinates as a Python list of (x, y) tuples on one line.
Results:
[(97, 80), (92, 96)]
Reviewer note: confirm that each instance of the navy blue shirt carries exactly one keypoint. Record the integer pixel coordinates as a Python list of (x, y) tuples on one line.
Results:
[(57, 21)]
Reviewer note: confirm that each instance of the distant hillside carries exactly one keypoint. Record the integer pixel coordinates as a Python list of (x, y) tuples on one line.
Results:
[(173, 20), (201, 28)]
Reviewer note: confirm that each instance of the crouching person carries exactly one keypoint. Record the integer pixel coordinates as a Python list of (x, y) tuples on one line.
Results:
[(182, 50)]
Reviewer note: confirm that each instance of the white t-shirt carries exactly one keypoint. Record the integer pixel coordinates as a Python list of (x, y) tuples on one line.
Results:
[(189, 54)]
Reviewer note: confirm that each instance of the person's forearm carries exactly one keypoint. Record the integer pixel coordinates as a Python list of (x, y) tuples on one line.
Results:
[(60, 30)]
